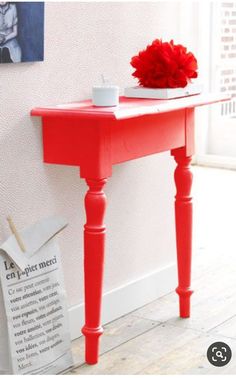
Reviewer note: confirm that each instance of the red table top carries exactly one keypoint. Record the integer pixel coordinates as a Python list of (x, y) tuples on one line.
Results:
[(130, 107)]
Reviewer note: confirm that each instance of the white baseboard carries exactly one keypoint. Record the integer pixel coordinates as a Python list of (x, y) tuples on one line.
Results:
[(127, 298), (215, 161)]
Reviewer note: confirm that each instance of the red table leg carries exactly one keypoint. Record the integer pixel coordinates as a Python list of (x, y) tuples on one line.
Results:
[(183, 220), (94, 243)]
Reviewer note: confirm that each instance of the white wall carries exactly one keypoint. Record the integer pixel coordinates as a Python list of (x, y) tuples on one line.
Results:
[(83, 40)]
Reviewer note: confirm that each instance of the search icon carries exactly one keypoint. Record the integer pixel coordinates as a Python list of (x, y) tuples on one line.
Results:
[(219, 354)]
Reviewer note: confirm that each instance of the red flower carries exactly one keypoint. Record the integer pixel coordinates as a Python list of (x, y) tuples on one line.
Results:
[(164, 65)]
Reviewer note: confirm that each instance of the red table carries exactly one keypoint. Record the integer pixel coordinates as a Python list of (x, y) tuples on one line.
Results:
[(95, 139)]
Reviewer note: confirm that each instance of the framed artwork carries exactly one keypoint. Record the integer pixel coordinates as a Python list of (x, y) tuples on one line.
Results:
[(21, 32)]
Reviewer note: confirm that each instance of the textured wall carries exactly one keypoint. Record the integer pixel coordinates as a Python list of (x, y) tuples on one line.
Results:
[(81, 41)]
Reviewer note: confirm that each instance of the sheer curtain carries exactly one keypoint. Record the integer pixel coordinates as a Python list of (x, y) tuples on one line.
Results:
[(216, 126)]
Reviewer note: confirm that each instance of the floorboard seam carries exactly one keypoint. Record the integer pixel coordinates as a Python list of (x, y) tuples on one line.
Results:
[(117, 346), (231, 317)]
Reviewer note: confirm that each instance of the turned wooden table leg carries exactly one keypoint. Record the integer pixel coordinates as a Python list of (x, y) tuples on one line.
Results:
[(94, 243), (183, 220)]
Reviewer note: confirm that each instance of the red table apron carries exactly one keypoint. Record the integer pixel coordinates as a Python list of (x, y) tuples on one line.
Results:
[(96, 138)]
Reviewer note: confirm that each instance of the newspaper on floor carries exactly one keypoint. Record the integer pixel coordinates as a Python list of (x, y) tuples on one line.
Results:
[(34, 330)]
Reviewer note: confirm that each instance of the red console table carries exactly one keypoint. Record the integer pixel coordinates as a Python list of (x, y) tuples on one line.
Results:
[(95, 139)]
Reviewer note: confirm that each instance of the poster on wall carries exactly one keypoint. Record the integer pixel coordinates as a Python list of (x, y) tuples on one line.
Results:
[(21, 32)]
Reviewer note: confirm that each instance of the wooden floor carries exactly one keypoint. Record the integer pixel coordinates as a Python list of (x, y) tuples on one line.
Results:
[(153, 339)]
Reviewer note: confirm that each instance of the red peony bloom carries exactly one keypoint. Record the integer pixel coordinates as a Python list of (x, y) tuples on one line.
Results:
[(164, 65)]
